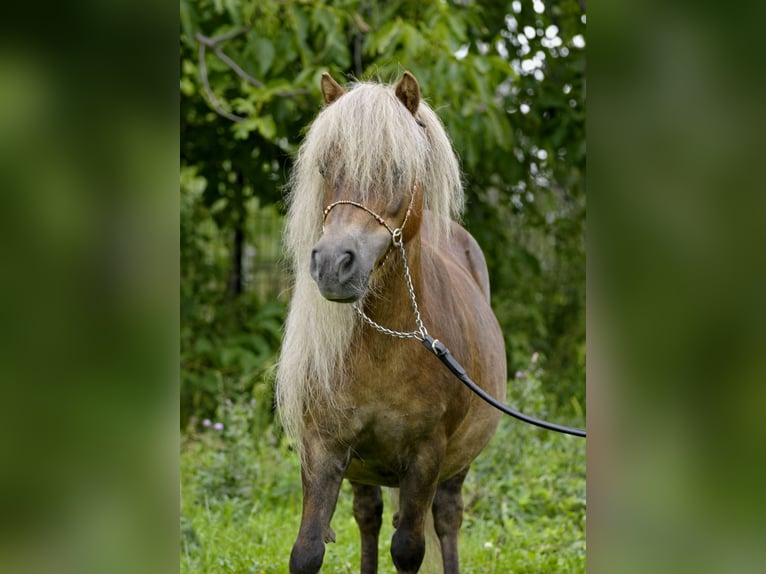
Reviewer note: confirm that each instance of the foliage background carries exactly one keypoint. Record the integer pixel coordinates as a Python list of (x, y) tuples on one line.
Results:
[(508, 81)]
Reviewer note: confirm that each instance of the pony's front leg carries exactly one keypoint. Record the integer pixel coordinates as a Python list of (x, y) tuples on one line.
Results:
[(368, 512), (321, 474), (416, 493)]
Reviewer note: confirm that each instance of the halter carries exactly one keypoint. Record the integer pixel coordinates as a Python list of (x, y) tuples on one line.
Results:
[(397, 240)]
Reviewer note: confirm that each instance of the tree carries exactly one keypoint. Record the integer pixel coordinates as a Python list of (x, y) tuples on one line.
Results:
[(506, 78)]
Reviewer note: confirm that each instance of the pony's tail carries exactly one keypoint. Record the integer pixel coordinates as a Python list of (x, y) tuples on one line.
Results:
[(432, 562)]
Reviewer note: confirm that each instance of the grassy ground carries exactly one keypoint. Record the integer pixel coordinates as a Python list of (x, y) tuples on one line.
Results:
[(241, 495)]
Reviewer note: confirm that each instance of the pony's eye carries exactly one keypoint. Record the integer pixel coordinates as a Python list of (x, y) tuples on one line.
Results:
[(398, 175), (323, 169), (396, 205)]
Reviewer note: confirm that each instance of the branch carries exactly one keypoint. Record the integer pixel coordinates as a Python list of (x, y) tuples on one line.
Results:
[(215, 45), (363, 29), (210, 95), (239, 71), (213, 42)]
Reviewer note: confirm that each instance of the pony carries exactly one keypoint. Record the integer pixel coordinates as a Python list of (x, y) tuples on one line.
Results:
[(373, 240)]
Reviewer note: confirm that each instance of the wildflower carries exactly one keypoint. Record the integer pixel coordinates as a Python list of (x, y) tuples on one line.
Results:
[(218, 426), (519, 374), (206, 423), (535, 356), (488, 545)]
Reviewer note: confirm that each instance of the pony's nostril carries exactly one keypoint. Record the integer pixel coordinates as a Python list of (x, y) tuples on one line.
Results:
[(314, 265), (346, 265), (346, 260)]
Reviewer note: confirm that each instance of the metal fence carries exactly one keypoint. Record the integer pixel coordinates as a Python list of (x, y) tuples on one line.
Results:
[(264, 265)]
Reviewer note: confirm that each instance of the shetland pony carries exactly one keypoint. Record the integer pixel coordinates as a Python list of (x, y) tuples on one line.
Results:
[(372, 239)]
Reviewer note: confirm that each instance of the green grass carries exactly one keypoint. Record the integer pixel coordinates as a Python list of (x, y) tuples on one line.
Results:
[(241, 500)]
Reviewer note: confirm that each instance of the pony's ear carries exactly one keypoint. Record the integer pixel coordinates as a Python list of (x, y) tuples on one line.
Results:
[(331, 90), (408, 92)]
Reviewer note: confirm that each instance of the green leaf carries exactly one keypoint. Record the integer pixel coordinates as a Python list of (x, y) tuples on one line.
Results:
[(301, 26), (203, 345), (381, 40), (457, 27), (266, 127), (219, 205), (243, 106), (263, 50), (323, 18)]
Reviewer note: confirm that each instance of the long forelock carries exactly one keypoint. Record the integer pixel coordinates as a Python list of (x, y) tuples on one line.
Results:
[(369, 138)]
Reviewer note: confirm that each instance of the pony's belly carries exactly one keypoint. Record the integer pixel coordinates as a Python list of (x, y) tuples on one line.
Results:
[(380, 457), (372, 474), (378, 473), (384, 443)]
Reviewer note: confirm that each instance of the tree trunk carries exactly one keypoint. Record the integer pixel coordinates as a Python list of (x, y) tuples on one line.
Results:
[(235, 273)]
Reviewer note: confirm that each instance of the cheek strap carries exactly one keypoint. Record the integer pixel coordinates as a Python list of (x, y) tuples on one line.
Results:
[(396, 234)]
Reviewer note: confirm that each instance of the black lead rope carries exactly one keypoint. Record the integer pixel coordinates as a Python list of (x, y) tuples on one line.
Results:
[(442, 353)]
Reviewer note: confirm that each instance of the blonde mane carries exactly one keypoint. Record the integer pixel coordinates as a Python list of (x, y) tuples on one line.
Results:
[(371, 138)]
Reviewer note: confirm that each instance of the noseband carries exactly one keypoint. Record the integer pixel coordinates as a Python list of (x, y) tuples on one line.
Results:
[(397, 240)]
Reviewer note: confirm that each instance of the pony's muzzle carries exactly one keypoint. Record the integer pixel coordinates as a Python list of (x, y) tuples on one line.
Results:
[(337, 273)]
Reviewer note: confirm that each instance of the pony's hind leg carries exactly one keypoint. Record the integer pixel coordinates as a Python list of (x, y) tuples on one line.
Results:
[(368, 512), (321, 475), (448, 515)]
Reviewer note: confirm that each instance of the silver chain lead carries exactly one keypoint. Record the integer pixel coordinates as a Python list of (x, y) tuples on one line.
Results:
[(421, 333)]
